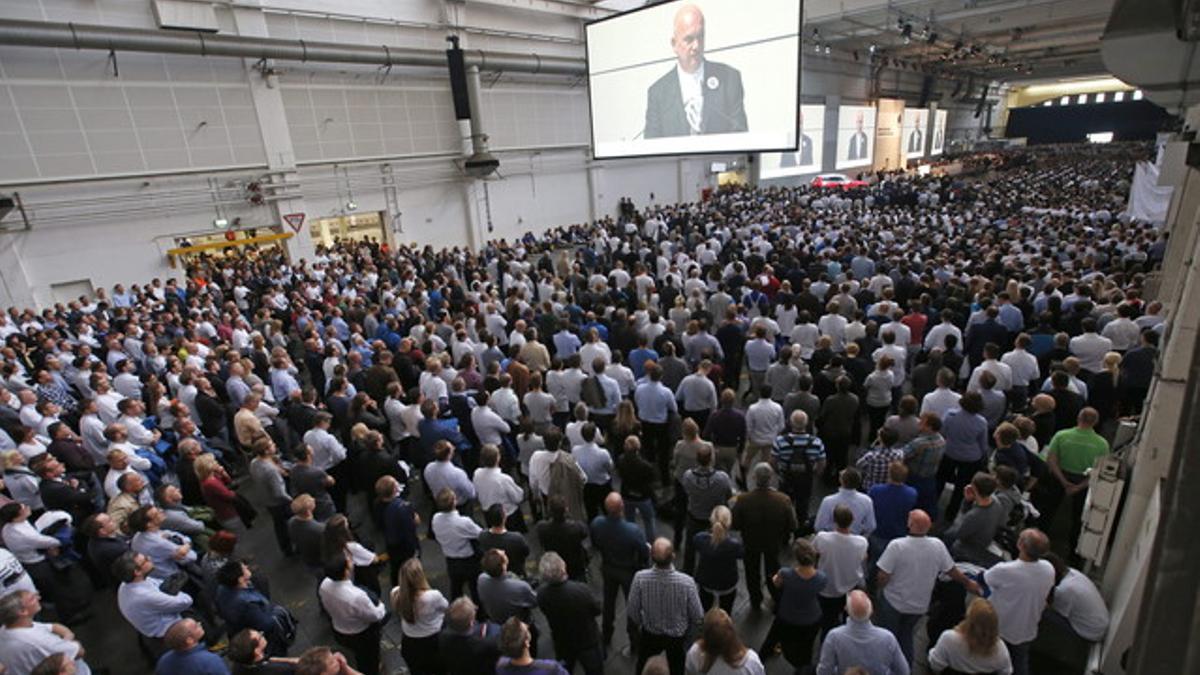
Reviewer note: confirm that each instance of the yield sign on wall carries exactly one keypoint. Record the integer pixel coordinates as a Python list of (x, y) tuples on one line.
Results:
[(295, 221)]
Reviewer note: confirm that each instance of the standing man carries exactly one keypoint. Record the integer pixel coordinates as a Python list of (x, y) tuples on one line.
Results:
[(623, 551), (25, 642), (697, 96), (907, 572), (1020, 589), (1071, 454), (798, 456), (655, 404), (665, 606), (357, 617), (766, 519), (571, 610)]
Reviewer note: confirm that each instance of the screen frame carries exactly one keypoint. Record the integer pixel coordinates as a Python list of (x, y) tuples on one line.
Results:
[(592, 120)]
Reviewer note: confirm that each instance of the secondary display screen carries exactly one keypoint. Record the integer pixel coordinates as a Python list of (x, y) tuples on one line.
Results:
[(806, 158), (695, 76), (855, 136)]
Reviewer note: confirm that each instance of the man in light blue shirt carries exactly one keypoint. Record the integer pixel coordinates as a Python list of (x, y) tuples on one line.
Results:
[(759, 355), (859, 504), (860, 643), (655, 403), (442, 473), (1010, 317), (597, 466), (143, 604), (566, 343)]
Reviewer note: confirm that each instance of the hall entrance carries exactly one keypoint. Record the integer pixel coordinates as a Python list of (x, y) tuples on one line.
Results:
[(350, 227)]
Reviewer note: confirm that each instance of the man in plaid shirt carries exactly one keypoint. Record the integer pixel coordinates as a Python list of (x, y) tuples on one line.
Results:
[(923, 454), (874, 463), (798, 456)]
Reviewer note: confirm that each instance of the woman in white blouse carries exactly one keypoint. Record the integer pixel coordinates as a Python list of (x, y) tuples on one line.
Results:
[(974, 645), (421, 610), (719, 651)]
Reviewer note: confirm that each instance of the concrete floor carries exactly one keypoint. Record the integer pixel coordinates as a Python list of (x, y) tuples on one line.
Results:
[(111, 642)]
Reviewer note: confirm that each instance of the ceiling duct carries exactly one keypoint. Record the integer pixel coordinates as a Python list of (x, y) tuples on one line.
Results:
[(1152, 44)]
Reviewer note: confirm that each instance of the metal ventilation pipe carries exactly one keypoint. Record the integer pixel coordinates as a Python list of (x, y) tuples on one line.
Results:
[(69, 35)]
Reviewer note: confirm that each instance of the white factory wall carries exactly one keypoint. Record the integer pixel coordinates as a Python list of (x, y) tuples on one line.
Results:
[(114, 169)]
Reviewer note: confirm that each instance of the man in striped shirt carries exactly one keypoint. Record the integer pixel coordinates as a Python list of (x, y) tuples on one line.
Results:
[(798, 456), (665, 606)]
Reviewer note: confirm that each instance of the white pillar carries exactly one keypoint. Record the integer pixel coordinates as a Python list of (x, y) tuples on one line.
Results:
[(15, 289), (277, 140)]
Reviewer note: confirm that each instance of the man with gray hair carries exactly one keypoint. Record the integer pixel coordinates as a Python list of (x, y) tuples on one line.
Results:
[(859, 643), (571, 610), (24, 643), (766, 520)]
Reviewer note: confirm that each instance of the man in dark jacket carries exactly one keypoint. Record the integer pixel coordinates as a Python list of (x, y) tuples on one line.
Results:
[(623, 551), (570, 609), (468, 647), (766, 519)]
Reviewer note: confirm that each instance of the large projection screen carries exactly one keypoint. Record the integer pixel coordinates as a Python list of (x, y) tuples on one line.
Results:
[(855, 136), (806, 158), (939, 133), (913, 132), (695, 76)]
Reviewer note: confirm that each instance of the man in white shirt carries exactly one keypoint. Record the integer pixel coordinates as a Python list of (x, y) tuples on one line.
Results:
[(493, 486), (1076, 604), (594, 349), (327, 450), (1090, 347), (1003, 373), (943, 399), (764, 421), (1019, 591), (936, 337), (1122, 331), (1023, 365), (842, 556), (455, 534), (489, 427), (24, 643), (357, 618), (149, 609), (907, 573)]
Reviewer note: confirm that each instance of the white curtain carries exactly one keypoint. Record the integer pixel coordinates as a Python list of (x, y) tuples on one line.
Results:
[(1148, 201)]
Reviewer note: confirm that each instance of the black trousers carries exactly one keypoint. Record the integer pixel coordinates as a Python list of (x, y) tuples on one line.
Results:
[(797, 641), (700, 417), (593, 498), (959, 473), (656, 445), (650, 644), (1054, 497), (832, 610), (591, 658), (421, 655), (694, 526), (463, 572), (761, 560), (280, 513), (614, 580), (365, 646), (725, 601)]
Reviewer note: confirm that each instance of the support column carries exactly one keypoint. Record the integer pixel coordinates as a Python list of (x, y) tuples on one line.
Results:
[(595, 185), (14, 281), (277, 140)]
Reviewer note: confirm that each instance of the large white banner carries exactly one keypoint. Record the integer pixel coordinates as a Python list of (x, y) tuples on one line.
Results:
[(939, 133), (913, 133), (695, 76), (807, 156), (855, 136)]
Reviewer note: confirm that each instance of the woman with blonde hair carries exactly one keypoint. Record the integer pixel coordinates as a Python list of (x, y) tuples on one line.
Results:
[(1104, 393), (218, 495), (973, 646), (720, 651), (421, 610), (718, 553)]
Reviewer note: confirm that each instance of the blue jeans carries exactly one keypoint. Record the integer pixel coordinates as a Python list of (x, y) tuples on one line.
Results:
[(901, 625), (645, 507), (1019, 654)]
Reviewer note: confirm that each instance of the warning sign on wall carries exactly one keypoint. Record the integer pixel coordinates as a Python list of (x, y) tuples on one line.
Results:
[(295, 221)]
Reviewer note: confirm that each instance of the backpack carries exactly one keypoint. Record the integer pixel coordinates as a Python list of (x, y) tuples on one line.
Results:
[(592, 393)]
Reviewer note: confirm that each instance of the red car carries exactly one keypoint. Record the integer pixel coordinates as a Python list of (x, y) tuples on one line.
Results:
[(837, 180)]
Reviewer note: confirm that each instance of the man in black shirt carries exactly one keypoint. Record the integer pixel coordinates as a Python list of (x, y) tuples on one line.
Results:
[(571, 610)]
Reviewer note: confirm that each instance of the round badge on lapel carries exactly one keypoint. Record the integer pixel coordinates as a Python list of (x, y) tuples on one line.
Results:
[(713, 82)]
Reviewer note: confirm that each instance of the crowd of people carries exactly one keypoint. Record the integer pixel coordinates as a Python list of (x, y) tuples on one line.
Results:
[(862, 411)]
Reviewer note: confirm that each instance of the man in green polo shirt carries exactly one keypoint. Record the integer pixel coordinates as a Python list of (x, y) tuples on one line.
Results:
[(1071, 454)]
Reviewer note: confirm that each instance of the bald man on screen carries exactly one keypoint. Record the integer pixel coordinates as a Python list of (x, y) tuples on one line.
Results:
[(697, 96)]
